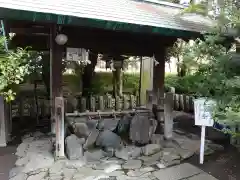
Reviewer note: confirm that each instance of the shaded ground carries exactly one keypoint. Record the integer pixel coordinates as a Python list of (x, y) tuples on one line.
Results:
[(7, 154), (7, 160), (222, 165)]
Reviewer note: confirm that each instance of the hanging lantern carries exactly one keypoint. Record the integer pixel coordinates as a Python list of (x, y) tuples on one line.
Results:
[(61, 39)]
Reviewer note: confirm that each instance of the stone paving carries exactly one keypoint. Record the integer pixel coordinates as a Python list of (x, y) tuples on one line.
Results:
[(151, 162)]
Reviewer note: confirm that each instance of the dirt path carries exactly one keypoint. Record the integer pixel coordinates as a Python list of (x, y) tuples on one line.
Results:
[(223, 165)]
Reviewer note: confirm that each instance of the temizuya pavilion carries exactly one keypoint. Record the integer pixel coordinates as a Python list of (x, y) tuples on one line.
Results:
[(124, 27)]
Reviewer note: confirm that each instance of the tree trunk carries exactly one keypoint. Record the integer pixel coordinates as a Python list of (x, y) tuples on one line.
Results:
[(88, 74)]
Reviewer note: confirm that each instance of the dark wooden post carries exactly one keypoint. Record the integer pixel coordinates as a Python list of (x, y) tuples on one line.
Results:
[(158, 84), (57, 101), (159, 73), (56, 53)]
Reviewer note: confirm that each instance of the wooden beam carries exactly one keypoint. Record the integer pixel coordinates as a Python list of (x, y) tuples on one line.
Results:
[(30, 31), (105, 113)]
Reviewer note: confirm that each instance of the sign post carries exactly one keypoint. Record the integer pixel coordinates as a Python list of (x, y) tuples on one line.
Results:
[(203, 117)]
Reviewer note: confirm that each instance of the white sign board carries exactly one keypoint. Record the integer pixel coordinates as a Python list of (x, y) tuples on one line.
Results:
[(77, 54), (203, 117), (203, 112)]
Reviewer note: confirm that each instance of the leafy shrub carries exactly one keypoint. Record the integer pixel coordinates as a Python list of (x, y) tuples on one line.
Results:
[(102, 83)]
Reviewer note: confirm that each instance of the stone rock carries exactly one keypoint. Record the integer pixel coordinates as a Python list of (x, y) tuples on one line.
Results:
[(124, 124), (38, 176), (55, 177), (169, 163), (92, 124), (22, 161), (68, 173), (22, 149), (116, 173), (81, 130), (91, 139), (39, 161), (207, 151), (37, 171), (140, 172), (20, 176), (132, 164), (151, 160), (28, 139), (151, 149), (141, 129), (109, 151), (95, 155), (215, 147), (112, 168), (75, 164), (38, 134), (161, 165), (57, 168), (185, 154), (153, 127), (74, 148), (40, 146), (115, 160), (182, 171), (89, 174), (169, 157), (157, 139), (108, 139), (108, 124), (128, 152), (14, 171), (108, 167)]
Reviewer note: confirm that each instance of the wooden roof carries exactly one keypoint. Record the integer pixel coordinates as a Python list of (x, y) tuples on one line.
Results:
[(130, 15)]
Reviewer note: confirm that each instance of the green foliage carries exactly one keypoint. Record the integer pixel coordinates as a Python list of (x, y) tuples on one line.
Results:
[(13, 68), (199, 8), (216, 73), (102, 83)]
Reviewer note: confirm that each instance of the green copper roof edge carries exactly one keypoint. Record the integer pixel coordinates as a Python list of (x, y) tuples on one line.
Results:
[(95, 23)]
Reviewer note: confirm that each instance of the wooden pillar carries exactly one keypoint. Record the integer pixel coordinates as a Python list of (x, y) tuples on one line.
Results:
[(56, 53), (159, 73), (146, 78), (57, 104), (158, 87)]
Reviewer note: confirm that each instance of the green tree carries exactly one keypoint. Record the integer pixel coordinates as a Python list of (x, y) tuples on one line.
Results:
[(14, 67), (218, 76)]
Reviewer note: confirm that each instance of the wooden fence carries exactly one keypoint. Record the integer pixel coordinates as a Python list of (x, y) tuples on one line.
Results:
[(26, 105)]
